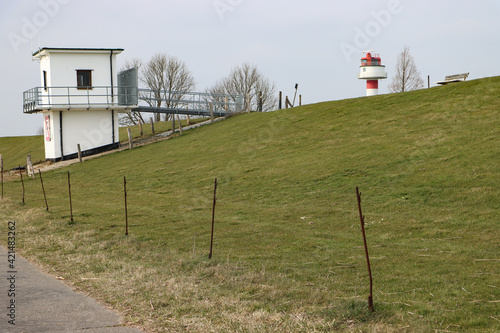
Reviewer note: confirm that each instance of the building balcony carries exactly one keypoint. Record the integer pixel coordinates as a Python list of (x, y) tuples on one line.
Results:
[(77, 98)]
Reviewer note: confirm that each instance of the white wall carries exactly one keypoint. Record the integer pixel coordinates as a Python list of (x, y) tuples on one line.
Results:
[(90, 129), (61, 67)]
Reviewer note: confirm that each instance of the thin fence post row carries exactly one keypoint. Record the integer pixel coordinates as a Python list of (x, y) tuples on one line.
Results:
[(22, 181), (70, 203), (43, 190), (213, 220), (362, 219)]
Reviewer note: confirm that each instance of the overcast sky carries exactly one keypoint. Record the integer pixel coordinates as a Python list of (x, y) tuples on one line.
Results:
[(315, 43)]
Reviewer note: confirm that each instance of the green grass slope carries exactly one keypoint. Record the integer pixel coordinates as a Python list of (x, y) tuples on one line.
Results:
[(15, 149), (288, 252)]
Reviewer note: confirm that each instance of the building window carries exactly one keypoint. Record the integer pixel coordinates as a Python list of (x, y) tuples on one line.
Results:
[(84, 79)]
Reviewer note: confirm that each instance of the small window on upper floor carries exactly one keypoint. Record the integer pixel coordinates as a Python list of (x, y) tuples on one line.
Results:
[(84, 78), (45, 80)]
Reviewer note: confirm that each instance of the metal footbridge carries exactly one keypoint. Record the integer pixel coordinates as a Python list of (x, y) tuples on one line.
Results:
[(188, 103)]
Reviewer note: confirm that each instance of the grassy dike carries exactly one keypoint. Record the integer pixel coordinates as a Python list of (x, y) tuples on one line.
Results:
[(288, 252), (15, 148)]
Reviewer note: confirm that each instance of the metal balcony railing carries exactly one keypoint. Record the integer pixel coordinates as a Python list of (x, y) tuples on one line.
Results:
[(41, 98)]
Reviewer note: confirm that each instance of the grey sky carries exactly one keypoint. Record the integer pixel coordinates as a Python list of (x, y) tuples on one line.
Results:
[(315, 43)]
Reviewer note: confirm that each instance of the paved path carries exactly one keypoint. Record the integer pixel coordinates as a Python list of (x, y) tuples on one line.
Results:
[(44, 304)]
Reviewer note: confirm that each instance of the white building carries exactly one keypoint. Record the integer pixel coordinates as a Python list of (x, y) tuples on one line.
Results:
[(80, 98)]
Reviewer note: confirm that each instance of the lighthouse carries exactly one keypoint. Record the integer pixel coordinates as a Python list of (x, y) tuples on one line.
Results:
[(371, 70)]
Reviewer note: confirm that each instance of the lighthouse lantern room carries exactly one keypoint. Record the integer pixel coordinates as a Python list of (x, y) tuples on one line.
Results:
[(371, 70)]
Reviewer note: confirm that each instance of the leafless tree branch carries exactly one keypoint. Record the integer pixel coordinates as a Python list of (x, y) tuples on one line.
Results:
[(246, 79), (407, 76)]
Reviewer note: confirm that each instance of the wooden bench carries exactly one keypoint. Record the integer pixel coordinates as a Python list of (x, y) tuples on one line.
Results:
[(453, 78)]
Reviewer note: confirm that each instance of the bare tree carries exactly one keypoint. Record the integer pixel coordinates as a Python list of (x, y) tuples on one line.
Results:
[(407, 75), (152, 75), (169, 79), (247, 80)]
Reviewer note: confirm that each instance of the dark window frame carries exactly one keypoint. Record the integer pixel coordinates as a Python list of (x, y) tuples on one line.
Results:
[(45, 80), (84, 78)]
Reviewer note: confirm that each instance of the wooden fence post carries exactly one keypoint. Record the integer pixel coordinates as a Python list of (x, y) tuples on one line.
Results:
[(43, 190), (1, 172), (129, 138), (70, 203), (126, 213), (362, 220), (79, 153), (140, 127), (22, 181), (180, 125), (152, 126), (173, 123), (212, 112), (29, 167), (213, 220), (279, 101)]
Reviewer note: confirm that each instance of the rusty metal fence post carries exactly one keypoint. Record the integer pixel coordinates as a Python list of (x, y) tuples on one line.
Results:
[(213, 220), (362, 219)]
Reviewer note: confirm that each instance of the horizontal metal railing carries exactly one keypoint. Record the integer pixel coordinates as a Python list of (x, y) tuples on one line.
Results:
[(41, 98), (191, 100)]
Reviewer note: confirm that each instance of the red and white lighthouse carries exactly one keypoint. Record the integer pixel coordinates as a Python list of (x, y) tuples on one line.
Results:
[(371, 70)]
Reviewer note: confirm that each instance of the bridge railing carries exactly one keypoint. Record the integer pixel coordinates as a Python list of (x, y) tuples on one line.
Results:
[(42, 98), (191, 100)]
